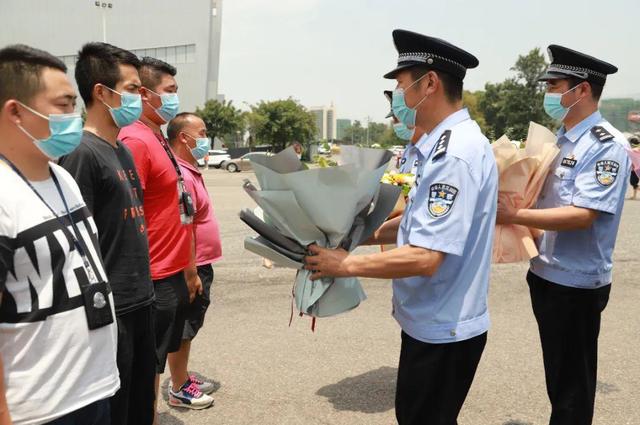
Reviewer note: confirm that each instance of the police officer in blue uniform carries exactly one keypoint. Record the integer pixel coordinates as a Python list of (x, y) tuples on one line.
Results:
[(440, 269), (579, 208)]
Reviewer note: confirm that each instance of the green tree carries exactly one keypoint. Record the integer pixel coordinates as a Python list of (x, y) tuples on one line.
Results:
[(508, 107), (389, 138), (281, 122), (223, 120), (379, 133), (376, 133), (355, 134), (471, 101), (616, 111)]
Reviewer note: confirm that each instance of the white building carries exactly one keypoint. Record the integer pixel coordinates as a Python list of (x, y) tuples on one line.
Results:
[(326, 127), (184, 34)]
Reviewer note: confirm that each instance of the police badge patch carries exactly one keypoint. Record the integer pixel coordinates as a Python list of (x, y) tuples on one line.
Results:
[(441, 198), (606, 172)]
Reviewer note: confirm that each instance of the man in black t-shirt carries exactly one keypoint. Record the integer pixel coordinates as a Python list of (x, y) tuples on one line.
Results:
[(104, 169)]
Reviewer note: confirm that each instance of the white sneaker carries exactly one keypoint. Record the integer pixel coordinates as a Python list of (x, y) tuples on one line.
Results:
[(189, 396)]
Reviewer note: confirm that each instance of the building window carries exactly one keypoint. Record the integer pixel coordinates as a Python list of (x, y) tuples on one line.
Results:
[(171, 54), (181, 54), (191, 53), (184, 53), (161, 53), (69, 60)]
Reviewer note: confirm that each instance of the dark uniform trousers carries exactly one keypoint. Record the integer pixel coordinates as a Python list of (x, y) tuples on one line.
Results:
[(434, 379), (569, 323)]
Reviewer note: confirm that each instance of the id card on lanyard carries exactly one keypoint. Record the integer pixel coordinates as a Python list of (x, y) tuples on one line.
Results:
[(95, 294), (185, 203)]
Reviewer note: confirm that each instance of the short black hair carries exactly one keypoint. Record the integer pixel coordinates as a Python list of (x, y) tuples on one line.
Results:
[(452, 85), (176, 125), (596, 89), (151, 71), (21, 69), (99, 63)]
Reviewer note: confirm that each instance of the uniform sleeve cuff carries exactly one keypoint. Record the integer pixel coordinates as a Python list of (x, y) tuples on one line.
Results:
[(448, 247), (602, 206)]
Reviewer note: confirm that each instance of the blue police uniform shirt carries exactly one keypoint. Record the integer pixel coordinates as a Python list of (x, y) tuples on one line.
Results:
[(451, 209), (409, 162), (587, 173)]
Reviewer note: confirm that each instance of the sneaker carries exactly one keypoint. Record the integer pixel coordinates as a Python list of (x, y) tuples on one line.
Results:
[(189, 396), (204, 386)]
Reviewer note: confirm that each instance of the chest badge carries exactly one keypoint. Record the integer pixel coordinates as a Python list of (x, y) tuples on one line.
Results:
[(99, 300), (441, 199), (607, 172), (569, 161)]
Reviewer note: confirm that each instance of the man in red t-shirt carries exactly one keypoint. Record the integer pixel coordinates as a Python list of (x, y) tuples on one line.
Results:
[(166, 206)]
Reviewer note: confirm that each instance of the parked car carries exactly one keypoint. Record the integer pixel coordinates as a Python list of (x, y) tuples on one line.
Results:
[(214, 158), (217, 157), (324, 149), (241, 164), (397, 150)]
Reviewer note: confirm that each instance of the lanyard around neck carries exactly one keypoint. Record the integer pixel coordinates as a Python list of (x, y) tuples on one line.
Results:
[(170, 155), (76, 237)]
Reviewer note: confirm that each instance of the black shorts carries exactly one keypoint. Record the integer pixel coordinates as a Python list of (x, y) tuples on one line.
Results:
[(96, 413), (633, 179), (170, 309), (200, 304)]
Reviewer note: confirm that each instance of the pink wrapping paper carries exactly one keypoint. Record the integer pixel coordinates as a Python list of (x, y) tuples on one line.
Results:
[(522, 175), (634, 155)]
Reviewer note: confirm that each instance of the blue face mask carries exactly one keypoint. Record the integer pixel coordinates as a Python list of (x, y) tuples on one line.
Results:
[(402, 112), (403, 132), (170, 106), (553, 105), (129, 110), (65, 133), (203, 144)]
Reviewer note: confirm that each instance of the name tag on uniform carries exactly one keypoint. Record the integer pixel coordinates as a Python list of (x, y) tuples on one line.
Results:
[(569, 161)]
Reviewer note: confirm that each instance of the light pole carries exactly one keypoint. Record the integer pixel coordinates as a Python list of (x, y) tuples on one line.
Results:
[(368, 121), (104, 7)]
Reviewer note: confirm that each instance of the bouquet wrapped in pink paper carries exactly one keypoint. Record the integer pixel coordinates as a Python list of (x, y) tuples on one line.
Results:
[(522, 175)]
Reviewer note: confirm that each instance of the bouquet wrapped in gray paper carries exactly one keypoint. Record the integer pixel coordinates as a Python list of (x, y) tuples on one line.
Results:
[(333, 207)]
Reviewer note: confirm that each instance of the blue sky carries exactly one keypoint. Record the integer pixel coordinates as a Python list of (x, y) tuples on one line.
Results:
[(319, 51)]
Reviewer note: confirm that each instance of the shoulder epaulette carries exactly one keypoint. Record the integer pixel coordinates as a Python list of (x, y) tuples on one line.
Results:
[(442, 145), (602, 134)]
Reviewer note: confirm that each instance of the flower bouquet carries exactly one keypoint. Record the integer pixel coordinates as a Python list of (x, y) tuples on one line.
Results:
[(333, 207), (522, 174)]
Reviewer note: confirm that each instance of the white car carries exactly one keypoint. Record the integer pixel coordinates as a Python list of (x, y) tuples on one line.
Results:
[(322, 150), (243, 163), (214, 158), (397, 150)]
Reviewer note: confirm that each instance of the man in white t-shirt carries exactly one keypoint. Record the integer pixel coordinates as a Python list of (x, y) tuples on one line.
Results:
[(57, 330)]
